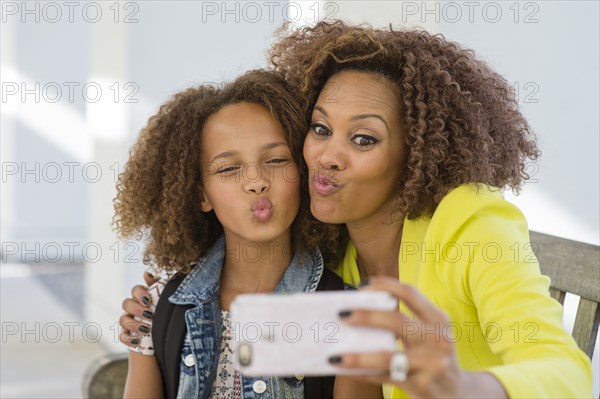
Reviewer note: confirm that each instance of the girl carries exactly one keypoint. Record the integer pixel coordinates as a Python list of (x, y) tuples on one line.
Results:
[(214, 178)]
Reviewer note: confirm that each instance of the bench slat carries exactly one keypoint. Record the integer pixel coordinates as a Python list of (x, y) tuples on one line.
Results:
[(586, 325)]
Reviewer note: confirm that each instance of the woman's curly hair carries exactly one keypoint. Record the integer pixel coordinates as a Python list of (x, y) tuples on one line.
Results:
[(461, 118), (159, 191)]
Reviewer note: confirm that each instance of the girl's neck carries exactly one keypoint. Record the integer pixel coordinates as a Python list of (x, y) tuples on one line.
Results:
[(377, 244), (252, 266)]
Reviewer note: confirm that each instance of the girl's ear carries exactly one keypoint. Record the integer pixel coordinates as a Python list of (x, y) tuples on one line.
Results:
[(205, 204)]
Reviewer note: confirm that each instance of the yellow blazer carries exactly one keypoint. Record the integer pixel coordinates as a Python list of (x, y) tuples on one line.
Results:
[(473, 259)]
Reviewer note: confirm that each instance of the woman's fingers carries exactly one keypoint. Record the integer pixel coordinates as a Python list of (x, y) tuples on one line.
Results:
[(405, 327), (149, 279), (414, 300), (411, 331), (430, 325), (374, 362), (140, 293), (125, 338), (376, 366), (135, 327), (421, 362), (134, 308), (131, 330), (128, 339)]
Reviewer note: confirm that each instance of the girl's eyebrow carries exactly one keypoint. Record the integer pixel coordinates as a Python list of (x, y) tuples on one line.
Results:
[(225, 154), (268, 146), (275, 145)]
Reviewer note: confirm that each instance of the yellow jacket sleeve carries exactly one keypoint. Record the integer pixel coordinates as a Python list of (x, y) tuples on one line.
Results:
[(498, 277)]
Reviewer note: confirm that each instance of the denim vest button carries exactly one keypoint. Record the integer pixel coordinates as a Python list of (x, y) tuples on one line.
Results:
[(189, 360), (299, 377), (259, 386)]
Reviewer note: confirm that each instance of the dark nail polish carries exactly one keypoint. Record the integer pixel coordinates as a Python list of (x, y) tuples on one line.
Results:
[(144, 329), (145, 300), (344, 313), (335, 359), (147, 314), (134, 341)]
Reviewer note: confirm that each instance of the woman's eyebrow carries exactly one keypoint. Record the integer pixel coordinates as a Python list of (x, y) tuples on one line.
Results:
[(366, 116), (321, 110), (356, 117)]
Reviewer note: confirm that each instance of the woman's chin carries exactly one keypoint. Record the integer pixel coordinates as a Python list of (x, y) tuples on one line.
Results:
[(325, 213)]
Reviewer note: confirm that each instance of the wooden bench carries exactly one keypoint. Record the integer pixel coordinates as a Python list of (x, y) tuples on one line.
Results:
[(573, 266)]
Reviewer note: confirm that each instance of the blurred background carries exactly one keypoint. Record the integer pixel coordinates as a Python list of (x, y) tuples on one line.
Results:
[(80, 79)]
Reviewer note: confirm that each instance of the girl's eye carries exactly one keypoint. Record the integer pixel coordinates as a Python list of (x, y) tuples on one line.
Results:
[(320, 130), (228, 169), (277, 161), (364, 140)]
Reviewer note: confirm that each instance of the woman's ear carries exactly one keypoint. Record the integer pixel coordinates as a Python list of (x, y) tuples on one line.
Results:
[(205, 205)]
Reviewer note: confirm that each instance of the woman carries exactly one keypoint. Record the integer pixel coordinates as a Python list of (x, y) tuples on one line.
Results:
[(411, 141)]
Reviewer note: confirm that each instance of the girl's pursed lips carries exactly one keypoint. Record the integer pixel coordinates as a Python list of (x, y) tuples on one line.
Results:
[(261, 208)]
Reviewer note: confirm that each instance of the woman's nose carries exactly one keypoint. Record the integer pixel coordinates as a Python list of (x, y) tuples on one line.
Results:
[(332, 156)]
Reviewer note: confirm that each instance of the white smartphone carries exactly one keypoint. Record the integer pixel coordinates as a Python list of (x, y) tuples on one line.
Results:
[(283, 335)]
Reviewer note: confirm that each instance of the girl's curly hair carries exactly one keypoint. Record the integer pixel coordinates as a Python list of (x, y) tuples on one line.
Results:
[(159, 191), (461, 118)]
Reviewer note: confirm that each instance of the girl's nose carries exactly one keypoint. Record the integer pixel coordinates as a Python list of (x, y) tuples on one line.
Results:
[(255, 180)]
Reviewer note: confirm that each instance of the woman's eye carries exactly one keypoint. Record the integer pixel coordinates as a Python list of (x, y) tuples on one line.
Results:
[(320, 130), (364, 140)]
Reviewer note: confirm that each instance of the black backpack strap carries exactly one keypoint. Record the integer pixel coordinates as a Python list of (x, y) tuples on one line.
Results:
[(322, 387), (168, 336)]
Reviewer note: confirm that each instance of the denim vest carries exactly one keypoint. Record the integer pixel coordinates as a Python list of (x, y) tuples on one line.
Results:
[(200, 353)]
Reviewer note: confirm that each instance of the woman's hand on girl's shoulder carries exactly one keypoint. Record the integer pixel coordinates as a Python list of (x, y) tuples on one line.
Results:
[(138, 305)]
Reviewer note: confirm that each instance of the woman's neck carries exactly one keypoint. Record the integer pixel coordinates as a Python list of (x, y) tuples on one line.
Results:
[(377, 244)]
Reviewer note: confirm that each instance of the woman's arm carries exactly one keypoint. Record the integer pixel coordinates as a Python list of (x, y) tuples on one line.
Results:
[(143, 377)]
